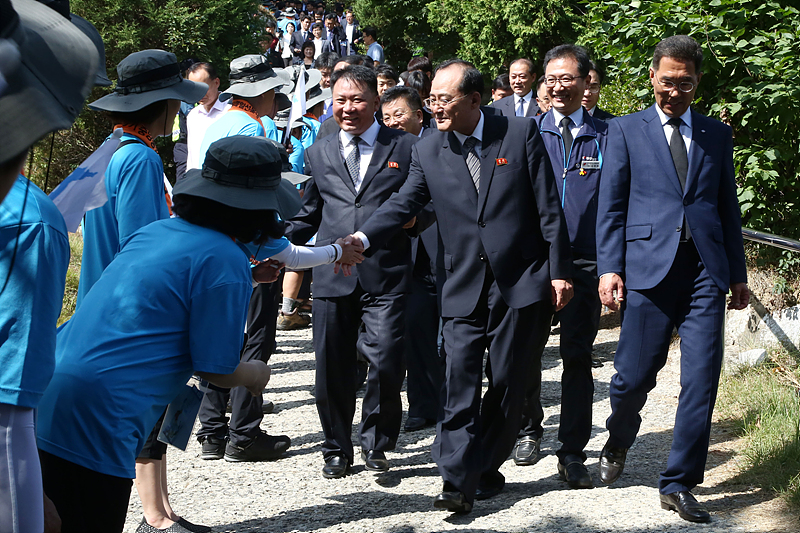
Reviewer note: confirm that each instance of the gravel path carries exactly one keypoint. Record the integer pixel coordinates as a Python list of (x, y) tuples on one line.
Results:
[(290, 495)]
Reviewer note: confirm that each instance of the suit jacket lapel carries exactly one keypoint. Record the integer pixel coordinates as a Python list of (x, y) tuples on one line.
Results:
[(697, 148), (490, 146), (455, 162), (384, 146), (336, 162), (655, 133)]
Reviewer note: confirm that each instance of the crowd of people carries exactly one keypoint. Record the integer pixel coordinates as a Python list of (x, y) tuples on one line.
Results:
[(444, 238)]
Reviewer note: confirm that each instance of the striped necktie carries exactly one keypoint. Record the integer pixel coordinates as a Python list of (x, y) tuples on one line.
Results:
[(353, 162), (473, 162)]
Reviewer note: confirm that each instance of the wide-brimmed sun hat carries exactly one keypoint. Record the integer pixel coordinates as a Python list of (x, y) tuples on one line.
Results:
[(252, 76), (147, 77), (88, 29), (245, 173), (48, 68), (317, 95)]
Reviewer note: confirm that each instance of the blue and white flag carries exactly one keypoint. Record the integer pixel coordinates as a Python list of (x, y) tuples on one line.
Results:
[(85, 188), (298, 102)]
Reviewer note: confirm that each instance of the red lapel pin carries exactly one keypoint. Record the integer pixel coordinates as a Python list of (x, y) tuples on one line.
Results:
[(502, 161), (392, 164)]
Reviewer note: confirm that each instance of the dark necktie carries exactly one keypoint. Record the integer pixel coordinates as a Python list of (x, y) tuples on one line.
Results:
[(681, 160), (473, 162), (678, 150), (353, 162), (566, 122), (521, 108)]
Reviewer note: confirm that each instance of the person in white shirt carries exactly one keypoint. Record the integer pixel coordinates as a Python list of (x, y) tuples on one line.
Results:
[(286, 44), (206, 113)]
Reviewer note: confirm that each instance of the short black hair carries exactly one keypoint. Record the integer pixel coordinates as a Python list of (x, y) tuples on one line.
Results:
[(371, 31), (317, 25), (385, 70), (245, 225), (420, 63), (357, 74), (326, 60), (203, 65), (501, 82), (527, 62), (539, 83), (681, 47), (308, 44), (472, 79), (330, 16), (356, 59), (601, 74), (420, 82), (578, 53), (291, 24), (411, 96)]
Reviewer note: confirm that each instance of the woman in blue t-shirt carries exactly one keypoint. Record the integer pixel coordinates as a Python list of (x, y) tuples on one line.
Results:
[(172, 303)]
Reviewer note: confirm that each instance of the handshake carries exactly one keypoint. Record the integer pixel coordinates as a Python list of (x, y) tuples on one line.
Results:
[(352, 250)]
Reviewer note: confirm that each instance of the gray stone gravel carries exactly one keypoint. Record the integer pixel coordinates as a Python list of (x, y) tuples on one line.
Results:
[(290, 495)]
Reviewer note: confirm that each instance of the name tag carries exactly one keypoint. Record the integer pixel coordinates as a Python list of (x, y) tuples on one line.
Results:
[(590, 163)]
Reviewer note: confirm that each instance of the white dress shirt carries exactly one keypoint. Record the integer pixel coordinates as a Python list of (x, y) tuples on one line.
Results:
[(526, 101), (477, 133), (197, 122), (686, 127), (365, 149), (577, 121)]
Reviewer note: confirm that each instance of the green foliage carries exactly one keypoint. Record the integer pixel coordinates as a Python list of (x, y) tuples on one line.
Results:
[(211, 30), (73, 275), (763, 405), (403, 30), (750, 82), (492, 34)]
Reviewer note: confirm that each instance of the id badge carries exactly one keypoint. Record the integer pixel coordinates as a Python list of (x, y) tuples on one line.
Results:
[(181, 414)]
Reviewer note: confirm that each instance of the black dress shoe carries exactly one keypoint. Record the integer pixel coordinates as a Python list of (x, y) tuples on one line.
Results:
[(575, 473), (453, 500), (527, 451), (684, 503), (335, 467), (612, 463), (415, 423), (375, 461)]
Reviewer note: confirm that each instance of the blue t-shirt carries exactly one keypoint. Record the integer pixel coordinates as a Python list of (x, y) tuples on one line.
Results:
[(232, 122), (310, 131), (173, 302), (31, 302), (135, 189), (375, 51)]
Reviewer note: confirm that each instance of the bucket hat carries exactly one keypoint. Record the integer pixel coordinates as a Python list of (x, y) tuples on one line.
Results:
[(245, 173), (147, 77), (317, 95), (50, 73), (252, 76)]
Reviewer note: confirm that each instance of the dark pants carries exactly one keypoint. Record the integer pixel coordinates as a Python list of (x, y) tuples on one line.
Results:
[(86, 501), (579, 320), (425, 367), (475, 437), (374, 326), (246, 409), (688, 299)]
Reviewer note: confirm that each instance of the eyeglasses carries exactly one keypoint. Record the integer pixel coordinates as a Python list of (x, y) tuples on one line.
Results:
[(398, 116), (565, 80), (593, 88), (442, 102), (684, 86)]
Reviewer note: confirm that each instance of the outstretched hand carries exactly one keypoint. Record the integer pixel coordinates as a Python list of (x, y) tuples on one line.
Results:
[(267, 271), (352, 249)]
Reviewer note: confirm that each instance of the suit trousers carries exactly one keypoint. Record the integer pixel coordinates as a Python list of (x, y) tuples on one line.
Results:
[(373, 325), (475, 437), (425, 367), (579, 321), (246, 409), (689, 300)]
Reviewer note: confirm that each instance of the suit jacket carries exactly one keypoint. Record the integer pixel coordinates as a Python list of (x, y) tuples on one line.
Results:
[(602, 114), (297, 41), (641, 204), (332, 208), (507, 108), (515, 225)]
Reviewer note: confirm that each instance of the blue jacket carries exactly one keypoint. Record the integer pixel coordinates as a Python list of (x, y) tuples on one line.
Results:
[(577, 176)]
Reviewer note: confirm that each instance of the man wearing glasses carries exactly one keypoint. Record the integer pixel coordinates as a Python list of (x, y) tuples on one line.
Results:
[(575, 142), (505, 257), (592, 93), (669, 247)]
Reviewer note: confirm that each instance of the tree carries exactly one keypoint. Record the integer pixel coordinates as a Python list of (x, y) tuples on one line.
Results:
[(751, 69)]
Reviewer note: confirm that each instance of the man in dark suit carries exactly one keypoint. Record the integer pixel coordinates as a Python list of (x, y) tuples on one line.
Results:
[(353, 173), (522, 77), (591, 94), (669, 248), (300, 36), (402, 109), (334, 33), (505, 262)]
